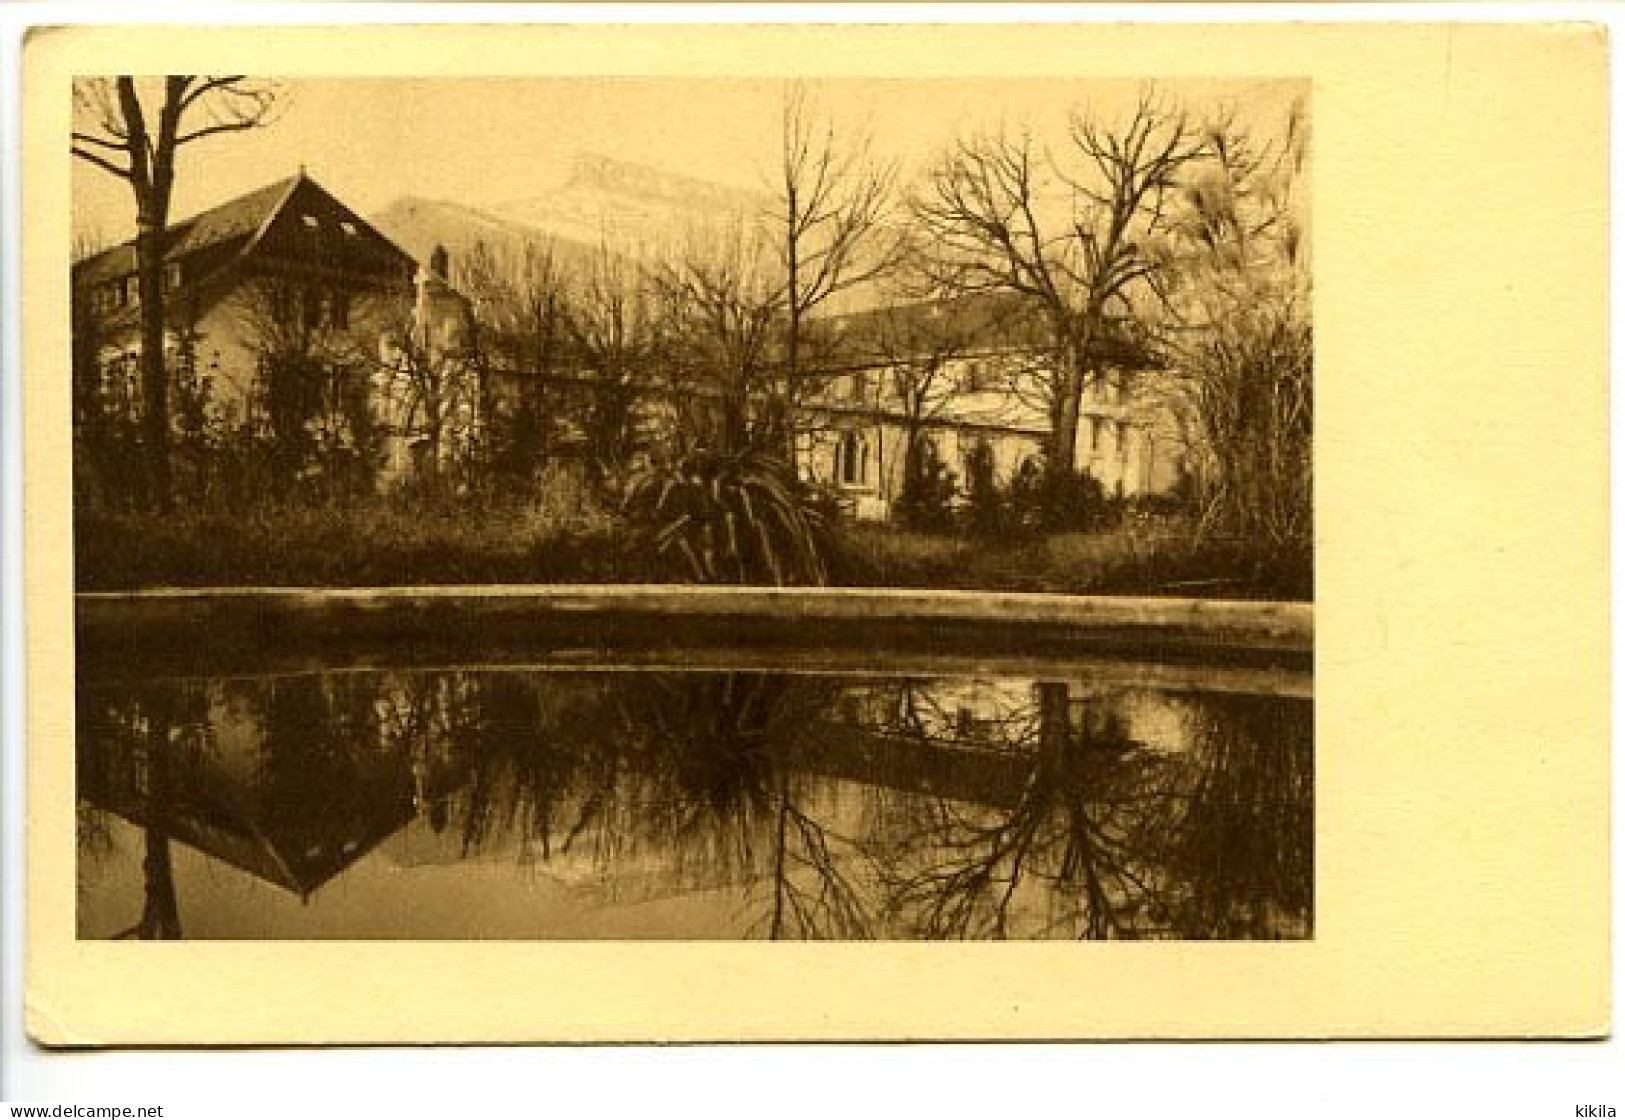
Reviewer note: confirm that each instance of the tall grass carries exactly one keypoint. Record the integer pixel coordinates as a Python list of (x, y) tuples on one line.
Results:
[(557, 533), (1141, 556)]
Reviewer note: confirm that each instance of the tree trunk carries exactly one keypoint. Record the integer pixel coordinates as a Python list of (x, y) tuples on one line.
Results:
[(434, 436), (154, 374), (1063, 452), (912, 467), (735, 436), (786, 407), (160, 915)]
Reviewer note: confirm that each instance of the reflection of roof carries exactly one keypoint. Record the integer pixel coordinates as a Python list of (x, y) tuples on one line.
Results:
[(296, 844), (240, 217), (257, 846)]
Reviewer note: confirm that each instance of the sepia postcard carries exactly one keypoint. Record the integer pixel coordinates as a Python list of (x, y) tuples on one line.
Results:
[(621, 533)]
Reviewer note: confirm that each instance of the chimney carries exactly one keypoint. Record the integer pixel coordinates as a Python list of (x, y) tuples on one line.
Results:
[(431, 285)]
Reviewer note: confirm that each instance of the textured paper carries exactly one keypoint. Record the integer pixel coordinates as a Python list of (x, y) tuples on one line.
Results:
[(1460, 245)]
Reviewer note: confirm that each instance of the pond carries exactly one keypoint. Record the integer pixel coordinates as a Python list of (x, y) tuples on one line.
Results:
[(628, 802)]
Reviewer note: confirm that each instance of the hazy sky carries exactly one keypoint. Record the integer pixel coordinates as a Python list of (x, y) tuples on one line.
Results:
[(483, 142)]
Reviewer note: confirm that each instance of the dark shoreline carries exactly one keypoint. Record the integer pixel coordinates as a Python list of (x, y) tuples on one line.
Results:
[(178, 630)]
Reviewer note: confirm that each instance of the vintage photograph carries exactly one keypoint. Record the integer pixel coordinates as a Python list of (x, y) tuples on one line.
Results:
[(692, 508)]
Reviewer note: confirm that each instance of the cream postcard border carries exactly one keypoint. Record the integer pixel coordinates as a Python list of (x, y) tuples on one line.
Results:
[(1462, 776)]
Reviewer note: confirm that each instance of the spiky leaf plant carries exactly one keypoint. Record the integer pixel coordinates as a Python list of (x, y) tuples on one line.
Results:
[(732, 518)]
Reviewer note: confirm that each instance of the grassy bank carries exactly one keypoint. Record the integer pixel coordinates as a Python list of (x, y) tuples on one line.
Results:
[(344, 545), (1141, 557), (418, 542)]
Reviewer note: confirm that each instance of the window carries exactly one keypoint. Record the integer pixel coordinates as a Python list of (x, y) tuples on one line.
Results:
[(1122, 439), (119, 375), (172, 276), (349, 229), (852, 459), (858, 386), (311, 222), (1096, 425)]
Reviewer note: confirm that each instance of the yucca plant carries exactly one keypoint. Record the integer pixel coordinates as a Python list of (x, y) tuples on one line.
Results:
[(732, 518)]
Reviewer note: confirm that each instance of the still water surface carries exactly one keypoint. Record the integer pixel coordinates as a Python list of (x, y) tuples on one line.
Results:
[(711, 805)]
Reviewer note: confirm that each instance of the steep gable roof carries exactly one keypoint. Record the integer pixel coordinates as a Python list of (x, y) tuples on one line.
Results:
[(272, 225), (240, 217)]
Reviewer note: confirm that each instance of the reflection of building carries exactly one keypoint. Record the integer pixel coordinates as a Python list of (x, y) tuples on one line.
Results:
[(1122, 810), (281, 807), (977, 740), (969, 376)]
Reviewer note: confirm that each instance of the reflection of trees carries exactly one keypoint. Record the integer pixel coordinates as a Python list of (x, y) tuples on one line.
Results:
[(681, 774), (160, 916), (661, 781), (161, 731), (1068, 842), (521, 749), (1243, 845), (1106, 838), (717, 785), (945, 809)]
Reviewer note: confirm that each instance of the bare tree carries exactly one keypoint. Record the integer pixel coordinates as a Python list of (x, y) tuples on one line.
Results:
[(136, 134), (311, 385), (919, 353), (619, 335), (723, 302), (429, 387), (991, 213), (523, 319), (833, 237)]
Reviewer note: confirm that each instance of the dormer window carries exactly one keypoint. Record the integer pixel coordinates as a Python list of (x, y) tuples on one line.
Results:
[(978, 375), (311, 222), (349, 229)]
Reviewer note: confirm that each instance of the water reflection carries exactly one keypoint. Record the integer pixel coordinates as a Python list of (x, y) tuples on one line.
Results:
[(701, 805)]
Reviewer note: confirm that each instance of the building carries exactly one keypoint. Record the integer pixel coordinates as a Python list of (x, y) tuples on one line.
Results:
[(283, 283), (288, 287), (969, 374)]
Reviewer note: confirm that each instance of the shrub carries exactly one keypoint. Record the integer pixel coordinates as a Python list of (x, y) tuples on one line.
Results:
[(987, 512), (732, 518), (926, 499), (1057, 502)]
